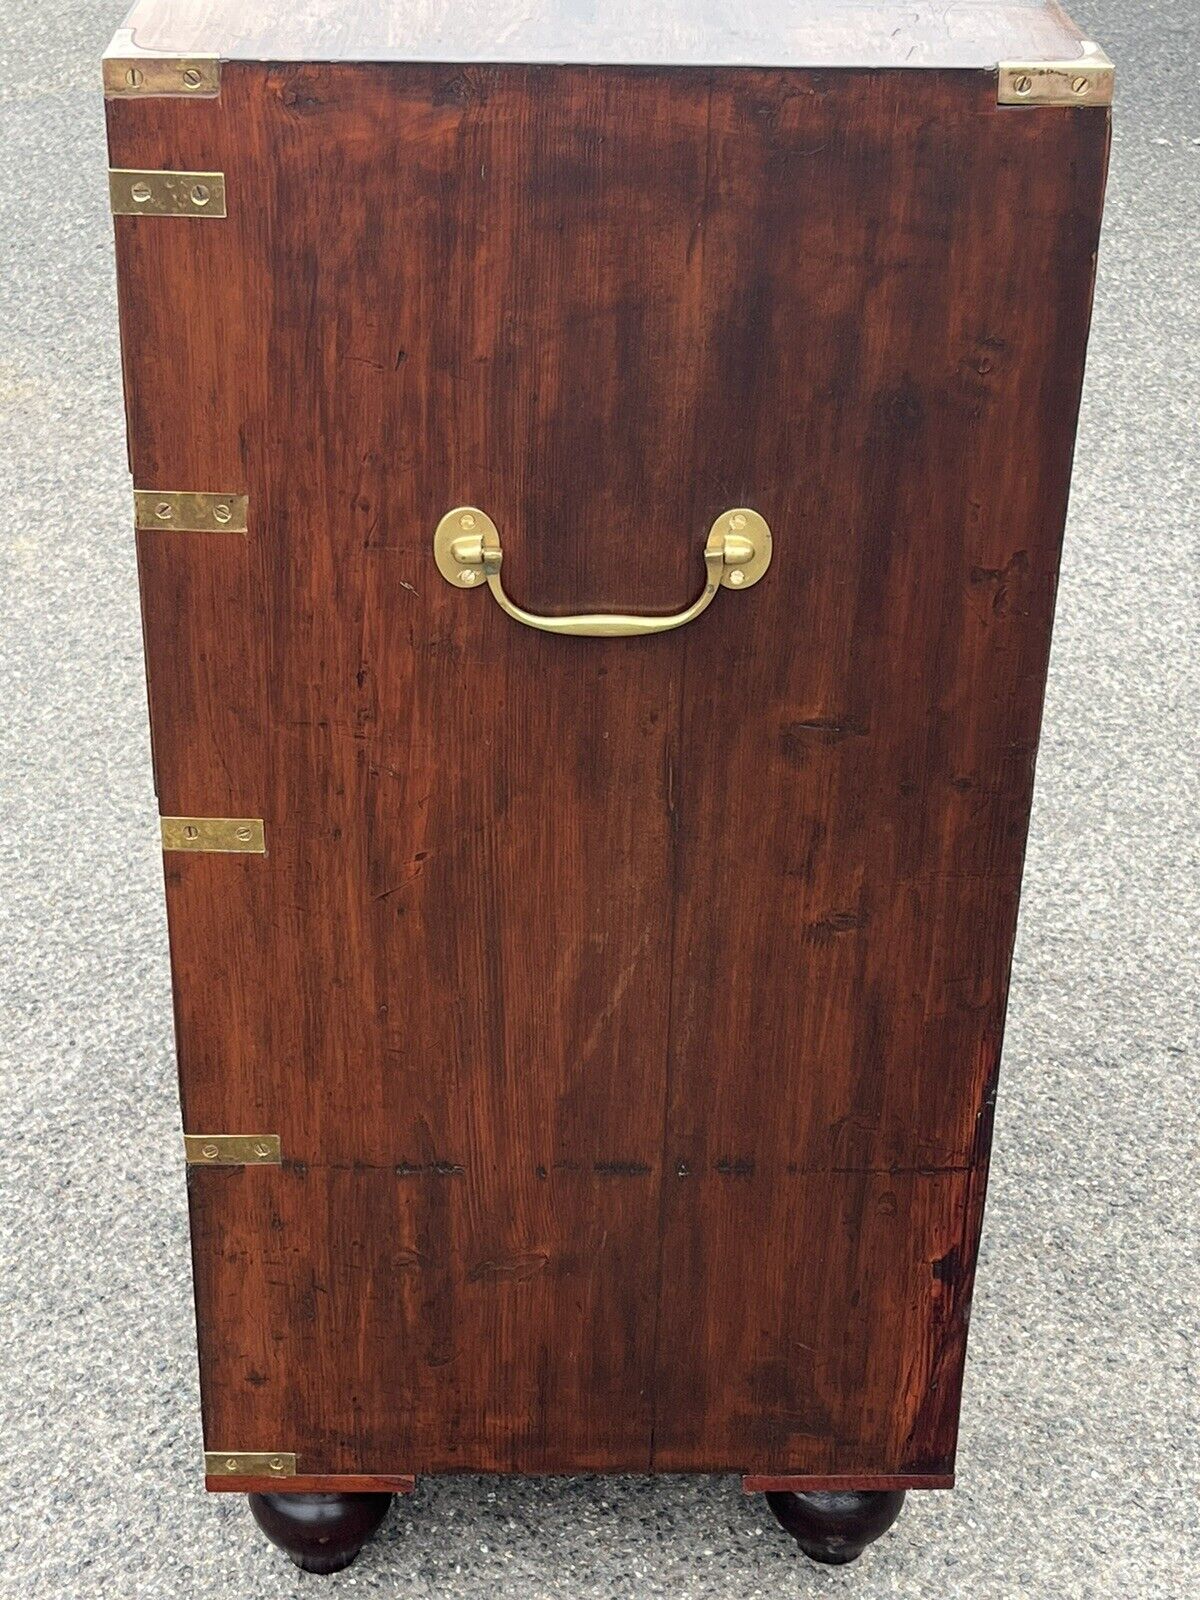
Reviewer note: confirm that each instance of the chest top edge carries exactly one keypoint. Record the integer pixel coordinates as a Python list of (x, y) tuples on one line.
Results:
[(702, 33)]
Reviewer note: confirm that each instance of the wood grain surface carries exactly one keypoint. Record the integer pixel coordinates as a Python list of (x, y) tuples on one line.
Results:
[(629, 1009), (765, 33)]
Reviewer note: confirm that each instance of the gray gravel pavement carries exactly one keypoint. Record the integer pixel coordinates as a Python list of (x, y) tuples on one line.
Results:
[(1078, 1464)]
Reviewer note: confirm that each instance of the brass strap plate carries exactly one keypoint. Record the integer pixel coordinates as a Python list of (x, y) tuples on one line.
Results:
[(250, 1463), (193, 510), (134, 73), (166, 194), (1087, 81), (233, 835), (232, 1149)]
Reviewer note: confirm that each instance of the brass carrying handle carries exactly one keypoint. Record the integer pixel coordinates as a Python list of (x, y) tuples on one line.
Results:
[(737, 552)]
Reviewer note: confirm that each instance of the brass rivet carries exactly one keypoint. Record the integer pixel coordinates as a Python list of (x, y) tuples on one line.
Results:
[(140, 191), (1023, 84), (737, 576), (192, 78), (209, 1152), (222, 512), (135, 77), (467, 522), (1079, 86), (200, 194), (163, 511)]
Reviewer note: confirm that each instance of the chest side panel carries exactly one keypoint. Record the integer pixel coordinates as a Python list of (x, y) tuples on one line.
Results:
[(571, 962)]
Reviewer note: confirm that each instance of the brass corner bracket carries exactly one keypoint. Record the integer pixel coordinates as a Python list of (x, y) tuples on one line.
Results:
[(229, 835), (144, 192), (1087, 81), (249, 1464), (130, 72), (232, 1149)]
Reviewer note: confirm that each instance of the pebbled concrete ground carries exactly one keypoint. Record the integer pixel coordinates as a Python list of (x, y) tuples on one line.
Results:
[(1078, 1465)]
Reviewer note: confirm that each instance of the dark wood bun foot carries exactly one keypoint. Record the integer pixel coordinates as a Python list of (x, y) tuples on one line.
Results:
[(836, 1528), (320, 1532)]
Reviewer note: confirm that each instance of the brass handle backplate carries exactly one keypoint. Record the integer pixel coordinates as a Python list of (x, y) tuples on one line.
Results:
[(737, 552)]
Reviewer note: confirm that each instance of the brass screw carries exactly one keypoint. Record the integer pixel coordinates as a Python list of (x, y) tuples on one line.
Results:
[(135, 77), (262, 1150), (231, 1465), (739, 521), (467, 574), (222, 512), (163, 511), (191, 831), (209, 1152), (200, 194), (275, 1464), (1023, 84), (467, 522), (737, 576), (140, 191), (1079, 86), (192, 78), (243, 834)]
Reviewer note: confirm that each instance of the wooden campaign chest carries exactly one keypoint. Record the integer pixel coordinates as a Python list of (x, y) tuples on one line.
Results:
[(599, 476)]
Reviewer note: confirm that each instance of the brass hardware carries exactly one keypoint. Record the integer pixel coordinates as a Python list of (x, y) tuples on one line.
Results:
[(466, 547), (234, 835), (129, 71), (232, 1149), (1087, 81), (166, 194), (249, 1463), (198, 512)]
